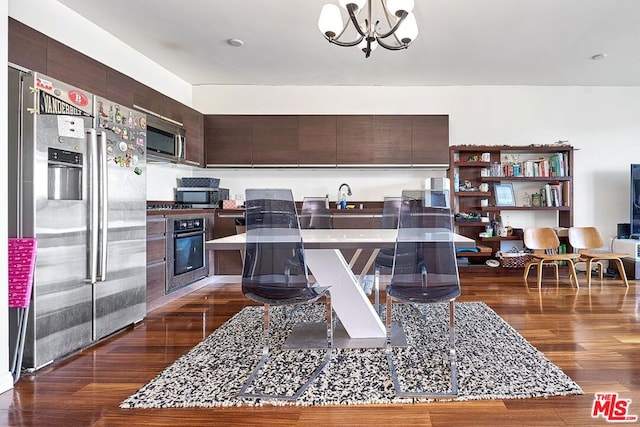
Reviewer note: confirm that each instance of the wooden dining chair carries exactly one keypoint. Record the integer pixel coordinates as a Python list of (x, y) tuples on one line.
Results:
[(544, 242), (587, 239)]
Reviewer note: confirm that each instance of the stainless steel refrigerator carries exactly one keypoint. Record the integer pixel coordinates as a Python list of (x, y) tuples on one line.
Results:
[(77, 183)]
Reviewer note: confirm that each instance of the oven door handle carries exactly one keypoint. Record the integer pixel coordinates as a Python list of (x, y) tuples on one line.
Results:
[(178, 234)]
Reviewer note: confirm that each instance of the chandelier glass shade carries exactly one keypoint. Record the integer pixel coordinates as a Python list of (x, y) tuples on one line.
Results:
[(396, 29)]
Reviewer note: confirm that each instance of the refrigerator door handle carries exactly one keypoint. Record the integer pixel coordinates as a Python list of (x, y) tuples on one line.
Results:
[(93, 205), (103, 191)]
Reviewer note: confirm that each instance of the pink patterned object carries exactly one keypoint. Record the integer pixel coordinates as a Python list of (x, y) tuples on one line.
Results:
[(22, 260)]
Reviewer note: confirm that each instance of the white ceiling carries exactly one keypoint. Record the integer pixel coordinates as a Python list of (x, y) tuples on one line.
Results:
[(461, 42)]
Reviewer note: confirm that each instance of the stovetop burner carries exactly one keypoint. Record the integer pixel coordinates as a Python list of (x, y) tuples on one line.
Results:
[(168, 206)]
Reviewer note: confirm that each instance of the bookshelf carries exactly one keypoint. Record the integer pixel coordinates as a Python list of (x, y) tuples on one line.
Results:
[(542, 183)]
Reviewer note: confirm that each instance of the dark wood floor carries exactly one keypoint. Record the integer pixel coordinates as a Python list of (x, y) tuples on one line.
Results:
[(594, 336)]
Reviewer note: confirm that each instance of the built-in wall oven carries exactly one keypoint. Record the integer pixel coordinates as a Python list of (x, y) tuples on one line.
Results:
[(186, 260)]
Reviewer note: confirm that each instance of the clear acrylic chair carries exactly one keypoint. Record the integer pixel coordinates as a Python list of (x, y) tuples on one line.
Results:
[(427, 272), (384, 259), (275, 271), (315, 213)]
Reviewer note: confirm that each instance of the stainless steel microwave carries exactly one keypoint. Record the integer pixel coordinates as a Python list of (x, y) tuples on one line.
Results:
[(165, 139), (202, 197)]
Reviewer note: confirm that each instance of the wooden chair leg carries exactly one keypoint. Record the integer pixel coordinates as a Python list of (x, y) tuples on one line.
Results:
[(623, 275), (526, 271), (540, 264), (588, 267), (572, 274), (601, 271)]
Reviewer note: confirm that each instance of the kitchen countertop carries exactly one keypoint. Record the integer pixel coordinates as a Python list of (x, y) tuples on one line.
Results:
[(177, 212), (174, 212), (372, 208)]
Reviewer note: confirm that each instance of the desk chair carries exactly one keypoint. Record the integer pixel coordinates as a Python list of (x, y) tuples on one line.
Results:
[(587, 239), (544, 242), (427, 273), (275, 271)]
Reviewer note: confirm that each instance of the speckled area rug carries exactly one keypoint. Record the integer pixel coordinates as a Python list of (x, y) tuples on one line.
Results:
[(494, 362)]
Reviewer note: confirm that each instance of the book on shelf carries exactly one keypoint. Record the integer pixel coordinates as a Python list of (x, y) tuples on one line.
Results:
[(555, 165), (556, 194), (546, 195), (558, 164), (536, 168)]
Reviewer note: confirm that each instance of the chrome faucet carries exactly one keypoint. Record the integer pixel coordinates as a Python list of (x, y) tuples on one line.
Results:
[(342, 195)]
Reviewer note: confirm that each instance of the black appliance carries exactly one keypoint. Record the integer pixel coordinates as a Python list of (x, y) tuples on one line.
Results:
[(202, 197), (624, 230), (634, 231), (186, 260)]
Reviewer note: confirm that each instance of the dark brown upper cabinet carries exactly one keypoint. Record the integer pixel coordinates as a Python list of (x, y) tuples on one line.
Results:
[(374, 140), (317, 140), (430, 140), (152, 100), (76, 69), (194, 132), (354, 140), (121, 88), (392, 140), (275, 140), (27, 47), (228, 140), (326, 140)]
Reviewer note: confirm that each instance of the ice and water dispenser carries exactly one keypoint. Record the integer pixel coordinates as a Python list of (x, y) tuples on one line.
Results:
[(64, 175)]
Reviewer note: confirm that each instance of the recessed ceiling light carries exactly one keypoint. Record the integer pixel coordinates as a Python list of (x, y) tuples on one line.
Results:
[(599, 56), (235, 42)]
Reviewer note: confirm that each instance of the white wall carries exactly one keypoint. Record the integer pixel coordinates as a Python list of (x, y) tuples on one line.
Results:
[(366, 184), (601, 122)]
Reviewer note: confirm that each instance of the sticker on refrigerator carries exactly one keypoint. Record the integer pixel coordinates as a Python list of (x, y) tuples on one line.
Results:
[(44, 84), (70, 126), (49, 104), (78, 98)]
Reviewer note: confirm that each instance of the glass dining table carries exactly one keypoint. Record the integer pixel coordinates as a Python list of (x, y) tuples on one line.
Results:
[(361, 322)]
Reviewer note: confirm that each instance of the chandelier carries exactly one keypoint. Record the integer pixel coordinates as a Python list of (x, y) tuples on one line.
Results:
[(397, 31)]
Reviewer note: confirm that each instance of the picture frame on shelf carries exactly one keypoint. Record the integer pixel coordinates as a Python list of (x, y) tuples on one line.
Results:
[(504, 194)]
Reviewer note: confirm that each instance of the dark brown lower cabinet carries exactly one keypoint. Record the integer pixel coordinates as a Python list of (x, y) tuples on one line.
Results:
[(226, 262), (156, 257)]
